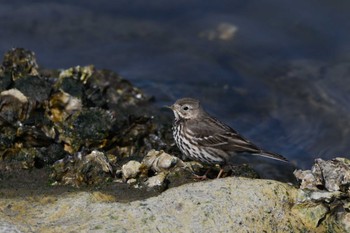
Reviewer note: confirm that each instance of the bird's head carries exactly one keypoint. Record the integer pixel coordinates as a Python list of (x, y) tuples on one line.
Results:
[(186, 108)]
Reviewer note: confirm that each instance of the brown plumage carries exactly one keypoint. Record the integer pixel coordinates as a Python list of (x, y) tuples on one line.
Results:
[(203, 138)]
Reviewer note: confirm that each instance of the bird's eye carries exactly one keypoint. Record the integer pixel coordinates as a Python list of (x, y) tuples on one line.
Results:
[(185, 108)]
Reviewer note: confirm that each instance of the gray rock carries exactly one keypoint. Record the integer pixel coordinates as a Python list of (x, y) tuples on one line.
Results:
[(324, 194), (221, 205), (8, 227), (333, 175), (311, 214), (336, 173), (79, 170), (308, 179), (318, 196)]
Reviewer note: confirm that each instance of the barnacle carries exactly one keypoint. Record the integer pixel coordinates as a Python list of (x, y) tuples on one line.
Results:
[(82, 121)]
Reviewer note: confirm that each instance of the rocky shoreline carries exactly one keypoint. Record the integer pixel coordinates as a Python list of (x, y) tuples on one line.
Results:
[(230, 204), (83, 150)]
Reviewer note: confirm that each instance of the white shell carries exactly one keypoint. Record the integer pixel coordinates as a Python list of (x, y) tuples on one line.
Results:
[(159, 160), (131, 169)]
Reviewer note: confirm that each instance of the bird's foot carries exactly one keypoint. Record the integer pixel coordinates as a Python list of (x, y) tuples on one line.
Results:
[(203, 177), (198, 177)]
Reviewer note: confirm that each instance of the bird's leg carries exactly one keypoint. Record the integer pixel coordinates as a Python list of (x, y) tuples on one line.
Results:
[(203, 177), (220, 173)]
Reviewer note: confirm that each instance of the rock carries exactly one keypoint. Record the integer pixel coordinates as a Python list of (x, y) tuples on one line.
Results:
[(82, 169), (311, 214), (8, 227), (333, 175), (62, 105), (89, 127), (100, 159), (222, 205), (324, 194), (117, 90), (15, 106), (157, 180), (326, 181), (229, 204), (345, 221), (336, 173), (36, 88), (72, 80), (81, 109), (318, 196), (308, 180), (5, 80), (131, 169), (19, 62)]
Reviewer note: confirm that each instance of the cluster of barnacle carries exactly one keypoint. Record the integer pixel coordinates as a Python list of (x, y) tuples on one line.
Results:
[(84, 123), (324, 191)]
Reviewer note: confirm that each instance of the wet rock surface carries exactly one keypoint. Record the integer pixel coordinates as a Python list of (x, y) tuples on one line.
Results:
[(81, 122)]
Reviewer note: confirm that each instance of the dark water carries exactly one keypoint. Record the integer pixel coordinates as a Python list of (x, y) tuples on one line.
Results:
[(277, 71)]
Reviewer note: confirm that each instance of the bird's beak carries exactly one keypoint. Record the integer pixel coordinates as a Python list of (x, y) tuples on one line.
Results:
[(171, 107)]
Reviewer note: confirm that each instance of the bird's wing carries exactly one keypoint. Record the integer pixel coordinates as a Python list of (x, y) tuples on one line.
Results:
[(213, 133)]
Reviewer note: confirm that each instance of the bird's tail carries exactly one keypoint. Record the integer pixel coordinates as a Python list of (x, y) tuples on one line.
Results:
[(271, 155)]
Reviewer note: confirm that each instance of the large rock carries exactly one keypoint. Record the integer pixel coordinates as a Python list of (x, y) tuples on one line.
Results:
[(223, 205)]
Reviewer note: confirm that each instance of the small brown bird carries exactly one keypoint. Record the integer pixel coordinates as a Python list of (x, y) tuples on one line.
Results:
[(203, 138)]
